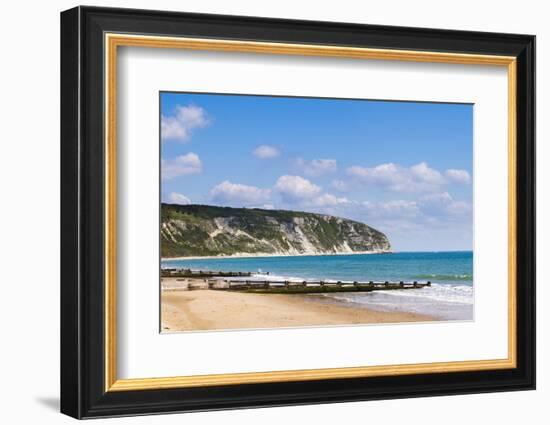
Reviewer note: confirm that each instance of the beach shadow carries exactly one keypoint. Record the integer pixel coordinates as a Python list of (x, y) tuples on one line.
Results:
[(49, 402)]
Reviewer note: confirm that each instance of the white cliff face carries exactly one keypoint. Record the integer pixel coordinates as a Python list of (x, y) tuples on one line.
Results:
[(195, 230)]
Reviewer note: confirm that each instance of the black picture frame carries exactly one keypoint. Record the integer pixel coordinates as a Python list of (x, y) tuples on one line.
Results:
[(83, 392)]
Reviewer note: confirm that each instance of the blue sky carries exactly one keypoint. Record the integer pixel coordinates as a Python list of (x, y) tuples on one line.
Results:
[(404, 168)]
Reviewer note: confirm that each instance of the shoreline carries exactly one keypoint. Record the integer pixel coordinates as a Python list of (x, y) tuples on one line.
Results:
[(267, 255), (207, 310)]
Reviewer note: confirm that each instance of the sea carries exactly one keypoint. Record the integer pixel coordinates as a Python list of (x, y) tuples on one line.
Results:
[(450, 297)]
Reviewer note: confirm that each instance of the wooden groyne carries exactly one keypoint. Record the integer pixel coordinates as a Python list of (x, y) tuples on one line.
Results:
[(221, 281), (205, 274), (311, 287)]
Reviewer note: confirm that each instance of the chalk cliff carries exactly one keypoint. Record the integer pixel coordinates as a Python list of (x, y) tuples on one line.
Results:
[(202, 230)]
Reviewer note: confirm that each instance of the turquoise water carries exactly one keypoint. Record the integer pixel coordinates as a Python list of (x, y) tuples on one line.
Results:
[(444, 267), (451, 274)]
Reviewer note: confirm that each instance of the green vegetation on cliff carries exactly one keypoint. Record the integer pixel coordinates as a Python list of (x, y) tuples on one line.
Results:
[(203, 230)]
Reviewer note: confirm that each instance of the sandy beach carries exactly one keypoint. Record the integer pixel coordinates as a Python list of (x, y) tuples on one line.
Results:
[(203, 309)]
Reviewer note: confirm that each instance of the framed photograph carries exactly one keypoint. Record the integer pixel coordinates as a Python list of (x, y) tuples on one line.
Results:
[(261, 212)]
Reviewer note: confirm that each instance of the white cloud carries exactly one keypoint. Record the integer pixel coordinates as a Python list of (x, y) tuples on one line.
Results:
[(391, 209), (459, 208), (180, 166), (178, 127), (238, 194), (387, 174), (317, 167), (458, 176), (329, 200), (443, 203), (424, 174), (178, 198), (434, 199), (294, 188), (431, 208), (418, 178), (267, 207), (340, 185), (266, 152), (299, 192)]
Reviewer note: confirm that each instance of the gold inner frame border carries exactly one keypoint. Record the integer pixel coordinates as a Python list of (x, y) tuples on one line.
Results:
[(112, 41)]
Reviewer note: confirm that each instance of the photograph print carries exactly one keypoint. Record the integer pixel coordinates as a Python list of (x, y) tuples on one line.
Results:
[(285, 212)]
